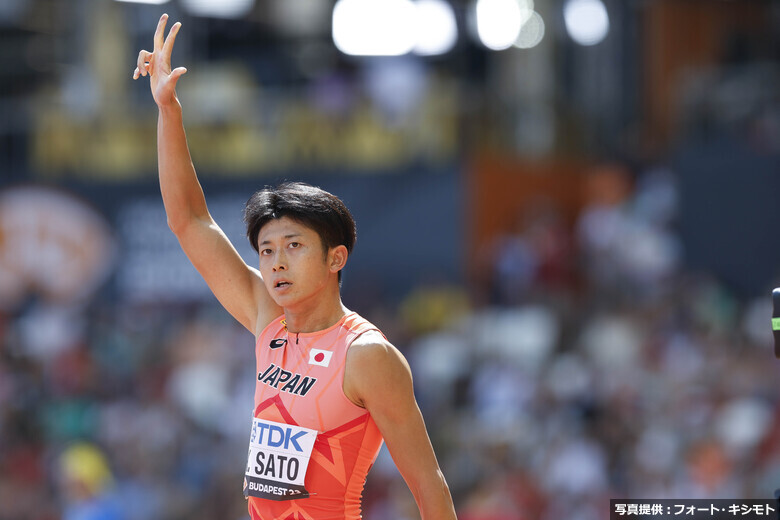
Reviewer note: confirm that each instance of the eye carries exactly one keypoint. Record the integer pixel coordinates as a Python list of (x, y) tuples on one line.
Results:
[(265, 252), (294, 244)]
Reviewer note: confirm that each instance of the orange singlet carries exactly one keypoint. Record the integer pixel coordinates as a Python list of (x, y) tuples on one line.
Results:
[(310, 447)]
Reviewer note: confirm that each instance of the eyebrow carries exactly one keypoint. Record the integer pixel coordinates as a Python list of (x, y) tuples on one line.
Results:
[(292, 235)]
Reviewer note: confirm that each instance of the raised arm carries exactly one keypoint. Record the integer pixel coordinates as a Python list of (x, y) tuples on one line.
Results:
[(237, 286), (378, 378)]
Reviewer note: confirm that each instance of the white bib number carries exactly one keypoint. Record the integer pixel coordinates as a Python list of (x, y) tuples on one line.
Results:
[(278, 458)]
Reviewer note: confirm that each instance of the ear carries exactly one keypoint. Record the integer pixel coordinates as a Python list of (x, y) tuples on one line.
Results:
[(337, 258)]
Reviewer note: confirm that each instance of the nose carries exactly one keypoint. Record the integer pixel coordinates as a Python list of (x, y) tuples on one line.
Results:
[(280, 262)]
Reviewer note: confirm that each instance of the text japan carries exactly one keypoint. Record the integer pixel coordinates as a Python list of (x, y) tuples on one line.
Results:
[(290, 382)]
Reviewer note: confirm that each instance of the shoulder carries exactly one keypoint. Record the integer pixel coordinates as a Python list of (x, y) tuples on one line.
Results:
[(370, 348), (374, 367)]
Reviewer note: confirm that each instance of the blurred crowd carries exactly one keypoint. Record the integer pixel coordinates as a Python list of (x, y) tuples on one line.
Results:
[(581, 358), (591, 364)]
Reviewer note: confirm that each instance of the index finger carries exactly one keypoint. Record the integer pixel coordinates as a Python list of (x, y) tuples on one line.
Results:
[(167, 48), (158, 34)]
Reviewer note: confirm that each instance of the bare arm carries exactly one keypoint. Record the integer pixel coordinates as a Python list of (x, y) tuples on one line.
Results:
[(378, 378), (237, 286)]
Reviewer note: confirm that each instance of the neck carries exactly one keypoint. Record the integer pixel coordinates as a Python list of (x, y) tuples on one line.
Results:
[(315, 316)]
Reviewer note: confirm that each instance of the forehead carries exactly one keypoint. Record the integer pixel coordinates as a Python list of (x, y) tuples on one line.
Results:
[(283, 227)]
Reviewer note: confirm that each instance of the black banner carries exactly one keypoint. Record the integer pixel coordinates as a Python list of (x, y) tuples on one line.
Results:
[(273, 490), (694, 509)]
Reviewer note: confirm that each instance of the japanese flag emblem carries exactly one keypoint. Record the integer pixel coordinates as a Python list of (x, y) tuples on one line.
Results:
[(319, 357)]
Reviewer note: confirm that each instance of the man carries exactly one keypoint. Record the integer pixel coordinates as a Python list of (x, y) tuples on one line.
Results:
[(330, 387)]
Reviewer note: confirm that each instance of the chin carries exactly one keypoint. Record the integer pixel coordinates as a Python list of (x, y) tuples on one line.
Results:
[(281, 301), (285, 300)]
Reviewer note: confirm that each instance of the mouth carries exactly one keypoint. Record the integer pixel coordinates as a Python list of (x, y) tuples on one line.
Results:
[(282, 283)]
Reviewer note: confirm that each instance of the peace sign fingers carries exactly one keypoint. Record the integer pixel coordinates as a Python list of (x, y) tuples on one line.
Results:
[(157, 64)]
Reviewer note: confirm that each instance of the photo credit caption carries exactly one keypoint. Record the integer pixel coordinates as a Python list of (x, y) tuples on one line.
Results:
[(694, 509)]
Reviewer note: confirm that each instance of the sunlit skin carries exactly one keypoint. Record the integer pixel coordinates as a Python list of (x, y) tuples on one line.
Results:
[(300, 275)]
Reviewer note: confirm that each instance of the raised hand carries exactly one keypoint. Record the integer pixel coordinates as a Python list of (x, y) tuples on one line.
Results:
[(158, 65)]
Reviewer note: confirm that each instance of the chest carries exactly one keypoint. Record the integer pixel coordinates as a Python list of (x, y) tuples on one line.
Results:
[(300, 381)]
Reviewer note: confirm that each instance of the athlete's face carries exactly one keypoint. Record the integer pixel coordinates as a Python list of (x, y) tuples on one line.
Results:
[(294, 265)]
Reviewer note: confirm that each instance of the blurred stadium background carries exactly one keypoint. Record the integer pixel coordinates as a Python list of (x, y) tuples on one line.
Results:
[(566, 220)]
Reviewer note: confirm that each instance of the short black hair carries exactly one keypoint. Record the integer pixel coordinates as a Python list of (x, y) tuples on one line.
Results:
[(310, 205)]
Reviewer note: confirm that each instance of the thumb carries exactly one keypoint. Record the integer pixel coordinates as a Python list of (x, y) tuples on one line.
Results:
[(177, 73)]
